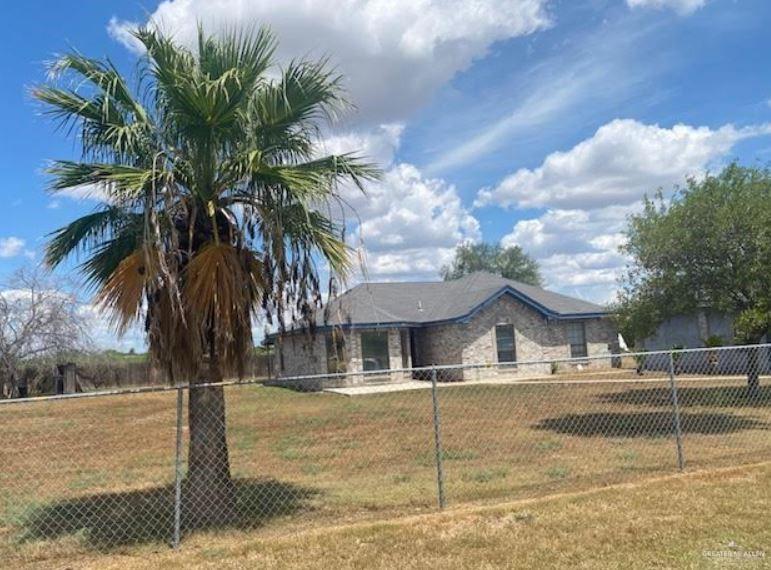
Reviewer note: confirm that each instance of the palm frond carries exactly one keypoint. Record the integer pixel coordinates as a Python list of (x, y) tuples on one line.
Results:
[(122, 294), (223, 286), (86, 232), (118, 181), (106, 258), (214, 132), (102, 75), (307, 92), (243, 49)]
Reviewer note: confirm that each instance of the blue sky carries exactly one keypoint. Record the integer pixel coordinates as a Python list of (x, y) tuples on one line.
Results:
[(535, 122)]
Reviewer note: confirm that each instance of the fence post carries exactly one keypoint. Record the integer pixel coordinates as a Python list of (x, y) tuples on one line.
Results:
[(438, 441), (178, 473), (676, 412)]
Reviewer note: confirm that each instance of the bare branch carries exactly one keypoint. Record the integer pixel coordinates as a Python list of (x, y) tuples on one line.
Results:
[(38, 319)]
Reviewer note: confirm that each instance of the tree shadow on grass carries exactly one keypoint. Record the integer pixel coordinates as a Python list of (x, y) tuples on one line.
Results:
[(692, 396), (109, 520), (647, 424)]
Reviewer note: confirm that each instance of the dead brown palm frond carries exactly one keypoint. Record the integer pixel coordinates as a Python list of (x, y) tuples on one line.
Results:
[(178, 347), (122, 294), (222, 287)]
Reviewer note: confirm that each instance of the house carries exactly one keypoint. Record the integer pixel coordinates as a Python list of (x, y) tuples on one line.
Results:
[(696, 330), (690, 330), (479, 319)]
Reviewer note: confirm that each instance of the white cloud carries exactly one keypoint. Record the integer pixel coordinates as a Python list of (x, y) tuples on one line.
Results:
[(376, 145), (122, 31), (591, 189), (103, 334), (394, 54), (571, 231), (11, 246), (577, 249), (406, 225), (683, 7), (410, 224), (94, 192), (622, 161)]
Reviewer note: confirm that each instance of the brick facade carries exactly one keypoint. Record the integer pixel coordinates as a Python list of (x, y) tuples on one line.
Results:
[(536, 338), (304, 355), (472, 342)]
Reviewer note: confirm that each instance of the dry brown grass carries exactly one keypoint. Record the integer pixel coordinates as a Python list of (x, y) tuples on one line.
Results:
[(90, 475), (670, 522)]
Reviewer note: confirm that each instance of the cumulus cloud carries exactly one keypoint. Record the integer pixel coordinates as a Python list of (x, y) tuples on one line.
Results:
[(591, 189), (683, 7), (406, 225), (394, 53), (623, 160), (377, 145), (571, 231), (11, 246), (577, 249), (409, 224)]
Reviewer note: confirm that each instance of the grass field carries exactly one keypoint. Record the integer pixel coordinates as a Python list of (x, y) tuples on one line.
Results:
[(95, 475), (714, 519)]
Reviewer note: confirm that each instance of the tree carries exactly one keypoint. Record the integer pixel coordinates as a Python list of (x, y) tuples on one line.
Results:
[(218, 210), (38, 320), (509, 262), (709, 246)]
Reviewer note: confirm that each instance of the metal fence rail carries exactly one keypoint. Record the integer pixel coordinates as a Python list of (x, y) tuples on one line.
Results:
[(102, 470)]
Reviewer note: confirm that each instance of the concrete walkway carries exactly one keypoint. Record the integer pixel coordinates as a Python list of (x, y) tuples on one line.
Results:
[(589, 378), (380, 388)]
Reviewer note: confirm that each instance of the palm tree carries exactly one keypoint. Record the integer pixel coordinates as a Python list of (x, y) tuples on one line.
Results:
[(217, 210)]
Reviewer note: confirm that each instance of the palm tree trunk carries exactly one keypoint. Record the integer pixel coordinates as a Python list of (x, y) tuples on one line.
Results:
[(209, 491)]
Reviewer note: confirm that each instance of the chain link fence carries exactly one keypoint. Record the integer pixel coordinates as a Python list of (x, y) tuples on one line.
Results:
[(100, 471)]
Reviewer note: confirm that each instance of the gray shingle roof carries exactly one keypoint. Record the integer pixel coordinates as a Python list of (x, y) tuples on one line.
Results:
[(432, 302)]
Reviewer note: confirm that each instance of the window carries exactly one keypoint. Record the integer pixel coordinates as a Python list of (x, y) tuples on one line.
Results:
[(336, 355), (374, 350), (577, 339), (504, 343)]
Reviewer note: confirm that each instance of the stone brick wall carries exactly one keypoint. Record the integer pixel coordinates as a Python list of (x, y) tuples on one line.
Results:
[(305, 355), (536, 338), (302, 354), (601, 340)]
